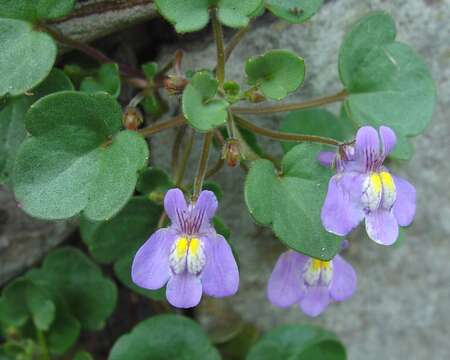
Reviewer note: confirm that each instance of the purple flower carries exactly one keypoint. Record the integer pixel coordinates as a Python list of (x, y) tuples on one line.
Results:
[(311, 283), (188, 255), (364, 189)]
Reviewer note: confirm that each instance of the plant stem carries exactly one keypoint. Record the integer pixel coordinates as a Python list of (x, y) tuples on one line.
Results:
[(215, 169), (176, 149), (218, 36), (184, 159), (237, 37), (198, 183), (161, 126), (125, 70), (290, 107), (278, 135), (43, 350)]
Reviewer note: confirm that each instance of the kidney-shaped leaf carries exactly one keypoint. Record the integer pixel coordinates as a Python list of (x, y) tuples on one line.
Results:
[(294, 11), (388, 83), (298, 342), (291, 202), (27, 56), (106, 79), (192, 15), (277, 73), (12, 119), (164, 337), (200, 109), (76, 159), (90, 296)]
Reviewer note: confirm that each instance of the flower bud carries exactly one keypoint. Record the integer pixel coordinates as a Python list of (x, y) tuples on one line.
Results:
[(132, 118), (231, 152), (174, 85)]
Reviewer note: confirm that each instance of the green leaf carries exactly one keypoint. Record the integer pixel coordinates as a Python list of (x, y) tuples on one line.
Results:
[(294, 11), (388, 83), (27, 56), (90, 296), (153, 179), (291, 202), (150, 69), (12, 119), (164, 337), (122, 269), (64, 332), (221, 228), (193, 15), (76, 159), (237, 13), (22, 300), (298, 342), (318, 122), (200, 109), (123, 234), (277, 73), (106, 79), (32, 10)]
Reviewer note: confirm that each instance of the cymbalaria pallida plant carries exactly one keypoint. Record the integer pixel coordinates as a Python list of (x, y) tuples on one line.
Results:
[(69, 148)]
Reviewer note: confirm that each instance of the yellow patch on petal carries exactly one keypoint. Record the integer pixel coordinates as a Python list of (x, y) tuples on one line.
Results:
[(319, 264), (181, 247), (387, 180), (375, 182), (194, 246)]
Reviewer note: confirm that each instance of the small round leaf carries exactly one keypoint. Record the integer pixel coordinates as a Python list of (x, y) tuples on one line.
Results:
[(294, 11), (277, 73)]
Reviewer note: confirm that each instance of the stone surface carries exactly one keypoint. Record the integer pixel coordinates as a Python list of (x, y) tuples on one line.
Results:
[(401, 307)]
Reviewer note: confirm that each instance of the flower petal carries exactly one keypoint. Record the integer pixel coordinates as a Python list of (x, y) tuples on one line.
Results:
[(343, 282), (283, 288), (205, 207), (340, 212), (388, 139), (220, 276), (405, 203), (150, 269), (315, 300), (184, 290), (175, 204), (367, 147), (326, 158), (382, 226)]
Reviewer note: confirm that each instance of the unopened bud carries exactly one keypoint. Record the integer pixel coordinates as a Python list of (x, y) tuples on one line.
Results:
[(132, 118), (231, 152), (174, 85)]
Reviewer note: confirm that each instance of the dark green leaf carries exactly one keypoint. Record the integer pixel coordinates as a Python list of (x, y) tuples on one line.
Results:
[(387, 82), (27, 56), (294, 11), (200, 109), (12, 119), (76, 159), (83, 355), (221, 228), (318, 122), (277, 73), (123, 234), (90, 296), (164, 337), (298, 342), (153, 179), (106, 79), (33, 10), (150, 69), (291, 203), (237, 13)]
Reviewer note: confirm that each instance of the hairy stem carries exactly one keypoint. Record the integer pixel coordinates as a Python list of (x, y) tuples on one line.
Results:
[(340, 96), (198, 183), (125, 70), (218, 36), (161, 126), (278, 135)]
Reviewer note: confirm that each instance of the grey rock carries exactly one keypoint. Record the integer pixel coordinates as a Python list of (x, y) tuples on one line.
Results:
[(401, 307)]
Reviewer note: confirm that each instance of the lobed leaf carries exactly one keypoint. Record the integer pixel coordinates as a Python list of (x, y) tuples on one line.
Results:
[(107, 79), (294, 11), (33, 10)]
